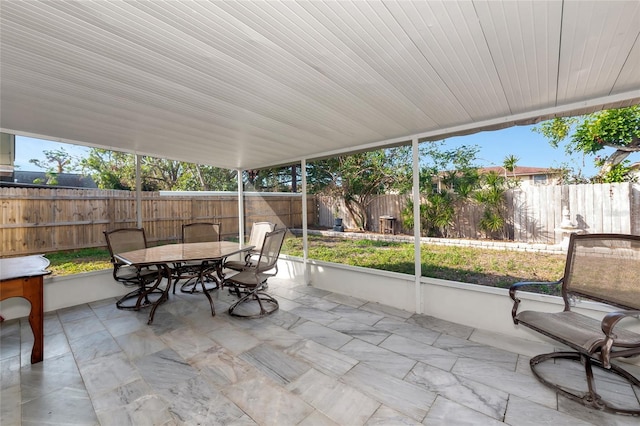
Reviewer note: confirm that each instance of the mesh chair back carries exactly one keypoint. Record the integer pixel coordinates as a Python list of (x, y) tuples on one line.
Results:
[(125, 239), (201, 232), (271, 246), (604, 267), (258, 231)]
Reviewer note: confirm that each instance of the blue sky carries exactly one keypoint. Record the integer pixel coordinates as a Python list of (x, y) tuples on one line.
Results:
[(531, 148)]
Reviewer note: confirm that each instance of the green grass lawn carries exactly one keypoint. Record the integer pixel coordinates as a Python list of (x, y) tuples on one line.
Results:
[(498, 268), (73, 262)]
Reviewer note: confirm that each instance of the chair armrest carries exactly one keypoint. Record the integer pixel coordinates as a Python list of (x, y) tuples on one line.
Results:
[(608, 323), (611, 319), (515, 287)]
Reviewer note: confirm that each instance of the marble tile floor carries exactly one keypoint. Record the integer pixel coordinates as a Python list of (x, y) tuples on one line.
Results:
[(322, 359)]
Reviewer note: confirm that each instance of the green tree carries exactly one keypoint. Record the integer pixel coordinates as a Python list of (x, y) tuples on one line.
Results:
[(509, 164), (570, 175), (456, 169), (359, 178), (56, 161), (615, 128), (447, 178), (275, 179), (110, 169), (116, 170), (207, 178)]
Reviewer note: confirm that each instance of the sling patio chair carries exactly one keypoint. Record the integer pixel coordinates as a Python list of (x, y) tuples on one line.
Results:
[(605, 269), (250, 284), (198, 272), (124, 240), (258, 231)]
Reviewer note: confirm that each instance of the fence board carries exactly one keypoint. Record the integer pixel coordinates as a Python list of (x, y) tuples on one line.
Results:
[(517, 208), (587, 206), (554, 214), (542, 198), (534, 220), (634, 199), (620, 202), (592, 214)]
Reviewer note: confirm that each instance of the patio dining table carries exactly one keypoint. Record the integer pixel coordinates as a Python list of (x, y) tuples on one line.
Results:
[(166, 255)]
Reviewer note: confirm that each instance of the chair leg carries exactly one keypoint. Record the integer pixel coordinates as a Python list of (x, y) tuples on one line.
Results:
[(232, 288), (261, 297), (590, 398), (142, 295)]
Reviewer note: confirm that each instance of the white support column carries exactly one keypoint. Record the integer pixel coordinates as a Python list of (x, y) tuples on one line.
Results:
[(305, 248), (240, 207), (416, 224), (138, 191)]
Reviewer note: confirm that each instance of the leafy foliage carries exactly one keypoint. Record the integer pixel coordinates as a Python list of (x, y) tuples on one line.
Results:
[(446, 177), (116, 170), (276, 179), (358, 178), (615, 128), (569, 175), (491, 196), (440, 211), (51, 179), (509, 164), (615, 174), (110, 169), (57, 161)]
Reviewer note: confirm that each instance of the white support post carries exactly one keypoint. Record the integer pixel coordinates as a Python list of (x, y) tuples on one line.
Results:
[(416, 224), (240, 207), (305, 248), (138, 191)]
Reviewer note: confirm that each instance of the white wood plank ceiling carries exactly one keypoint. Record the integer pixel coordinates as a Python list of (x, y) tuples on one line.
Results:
[(246, 84)]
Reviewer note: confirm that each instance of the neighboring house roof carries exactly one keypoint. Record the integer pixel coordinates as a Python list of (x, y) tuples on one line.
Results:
[(520, 171), (69, 180)]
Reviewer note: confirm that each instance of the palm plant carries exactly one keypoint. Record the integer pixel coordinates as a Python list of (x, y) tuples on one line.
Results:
[(510, 163), (491, 196)]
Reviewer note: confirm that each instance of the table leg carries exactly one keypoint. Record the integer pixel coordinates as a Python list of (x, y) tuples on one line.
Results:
[(33, 293), (165, 293)]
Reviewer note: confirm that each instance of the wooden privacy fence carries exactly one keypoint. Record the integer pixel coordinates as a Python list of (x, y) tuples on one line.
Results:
[(534, 212), (537, 211), (383, 205), (44, 220)]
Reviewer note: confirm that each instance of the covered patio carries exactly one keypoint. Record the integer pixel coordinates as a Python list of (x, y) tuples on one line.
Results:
[(249, 85), (322, 359)]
